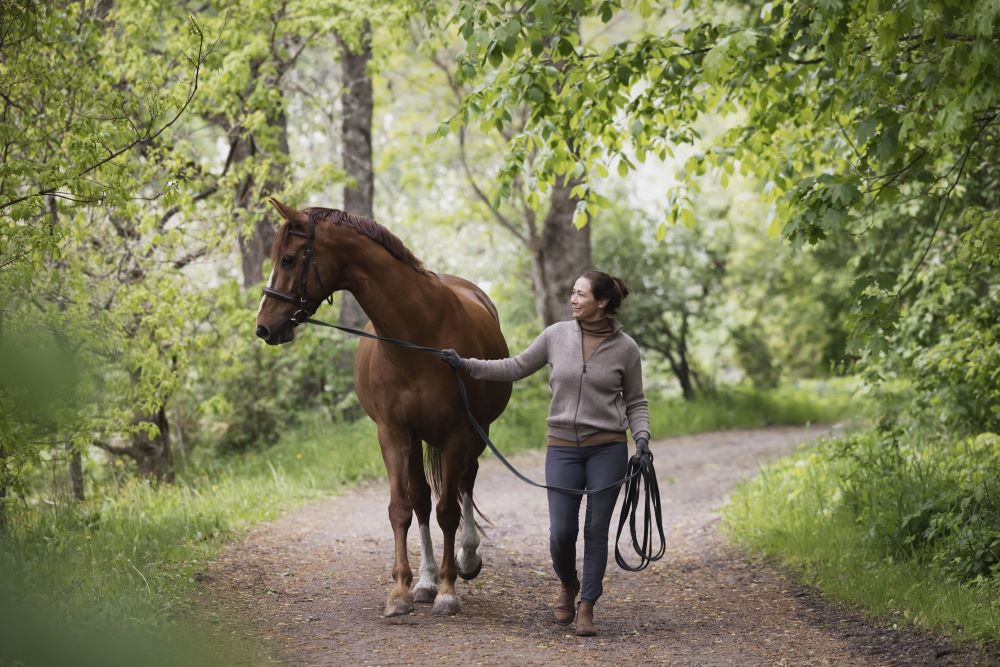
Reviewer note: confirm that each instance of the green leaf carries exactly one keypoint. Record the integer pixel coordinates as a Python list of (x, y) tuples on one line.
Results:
[(496, 55)]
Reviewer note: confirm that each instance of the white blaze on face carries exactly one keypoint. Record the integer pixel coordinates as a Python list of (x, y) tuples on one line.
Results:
[(270, 283)]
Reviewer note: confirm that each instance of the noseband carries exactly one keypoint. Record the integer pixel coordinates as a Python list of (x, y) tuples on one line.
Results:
[(306, 306)]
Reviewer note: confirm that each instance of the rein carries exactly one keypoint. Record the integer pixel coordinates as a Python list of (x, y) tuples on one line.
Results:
[(639, 467)]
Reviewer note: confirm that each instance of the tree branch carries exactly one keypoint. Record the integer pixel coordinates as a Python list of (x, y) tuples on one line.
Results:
[(139, 140)]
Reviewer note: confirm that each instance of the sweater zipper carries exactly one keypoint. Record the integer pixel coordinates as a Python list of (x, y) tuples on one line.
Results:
[(579, 396)]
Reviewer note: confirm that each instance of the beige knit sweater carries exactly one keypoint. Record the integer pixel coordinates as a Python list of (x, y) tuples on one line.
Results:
[(603, 394)]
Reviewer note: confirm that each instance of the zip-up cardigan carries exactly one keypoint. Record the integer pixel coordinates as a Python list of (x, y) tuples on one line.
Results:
[(601, 394)]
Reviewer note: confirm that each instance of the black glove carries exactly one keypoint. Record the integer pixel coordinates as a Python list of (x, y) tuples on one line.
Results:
[(642, 446), (452, 358)]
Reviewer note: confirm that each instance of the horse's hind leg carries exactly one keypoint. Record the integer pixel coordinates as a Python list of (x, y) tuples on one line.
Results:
[(426, 587), (469, 561), (396, 445), (448, 514)]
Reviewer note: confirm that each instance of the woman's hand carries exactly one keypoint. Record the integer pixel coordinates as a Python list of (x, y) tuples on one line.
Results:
[(642, 446), (452, 358)]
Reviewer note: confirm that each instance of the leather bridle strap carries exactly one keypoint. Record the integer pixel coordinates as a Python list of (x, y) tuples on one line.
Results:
[(306, 307)]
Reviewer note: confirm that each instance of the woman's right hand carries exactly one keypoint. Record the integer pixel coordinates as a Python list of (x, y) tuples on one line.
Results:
[(452, 358), (642, 446)]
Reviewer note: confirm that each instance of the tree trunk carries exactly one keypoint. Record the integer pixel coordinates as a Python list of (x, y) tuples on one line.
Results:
[(153, 453), (683, 373), (3, 493), (75, 474), (255, 248), (356, 128), (559, 256)]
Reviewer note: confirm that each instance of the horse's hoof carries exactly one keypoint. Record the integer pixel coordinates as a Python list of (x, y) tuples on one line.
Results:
[(446, 605), (468, 576), (397, 608), (424, 593)]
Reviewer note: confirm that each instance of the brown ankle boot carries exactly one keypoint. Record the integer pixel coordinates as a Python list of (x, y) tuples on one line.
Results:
[(564, 608), (585, 619)]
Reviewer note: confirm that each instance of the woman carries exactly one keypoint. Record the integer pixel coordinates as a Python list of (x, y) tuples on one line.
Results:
[(596, 382)]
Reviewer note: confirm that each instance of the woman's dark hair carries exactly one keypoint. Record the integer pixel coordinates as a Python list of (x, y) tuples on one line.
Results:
[(607, 287)]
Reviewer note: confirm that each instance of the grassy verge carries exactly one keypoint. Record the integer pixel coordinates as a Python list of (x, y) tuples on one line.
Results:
[(128, 556), (906, 532), (814, 401)]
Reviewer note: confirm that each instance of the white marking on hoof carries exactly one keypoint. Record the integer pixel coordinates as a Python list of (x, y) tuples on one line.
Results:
[(397, 608), (424, 594), (446, 605), (426, 588), (469, 567)]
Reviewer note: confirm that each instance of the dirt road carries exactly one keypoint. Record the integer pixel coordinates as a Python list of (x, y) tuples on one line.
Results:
[(311, 586)]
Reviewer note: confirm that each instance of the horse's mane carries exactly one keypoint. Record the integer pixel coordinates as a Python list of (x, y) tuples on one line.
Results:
[(372, 230)]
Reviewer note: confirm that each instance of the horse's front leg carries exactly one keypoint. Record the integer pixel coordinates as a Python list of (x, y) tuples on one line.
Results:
[(426, 587), (395, 444)]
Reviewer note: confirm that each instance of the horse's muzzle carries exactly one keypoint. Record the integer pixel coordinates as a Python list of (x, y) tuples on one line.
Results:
[(283, 334)]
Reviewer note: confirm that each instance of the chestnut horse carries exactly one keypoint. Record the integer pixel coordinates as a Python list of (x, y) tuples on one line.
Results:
[(411, 395)]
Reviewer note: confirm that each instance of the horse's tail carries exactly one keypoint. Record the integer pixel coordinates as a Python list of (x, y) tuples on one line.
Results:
[(433, 464)]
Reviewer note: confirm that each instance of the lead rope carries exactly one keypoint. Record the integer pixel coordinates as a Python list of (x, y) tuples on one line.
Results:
[(639, 468)]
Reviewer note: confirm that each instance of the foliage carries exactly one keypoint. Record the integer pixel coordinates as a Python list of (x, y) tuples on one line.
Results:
[(674, 286), (122, 127), (839, 108), (132, 550), (754, 356), (84, 128), (911, 526), (806, 402), (948, 350)]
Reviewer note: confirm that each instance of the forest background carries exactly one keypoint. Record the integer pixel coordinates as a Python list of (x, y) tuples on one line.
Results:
[(794, 192)]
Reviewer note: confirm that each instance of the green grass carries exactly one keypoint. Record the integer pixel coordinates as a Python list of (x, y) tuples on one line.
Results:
[(811, 401), (794, 512), (522, 427), (127, 557)]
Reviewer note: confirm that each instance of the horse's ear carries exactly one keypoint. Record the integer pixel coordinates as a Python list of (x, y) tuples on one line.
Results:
[(287, 212)]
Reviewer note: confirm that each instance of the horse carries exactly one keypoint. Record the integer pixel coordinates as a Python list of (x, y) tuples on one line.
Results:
[(411, 395)]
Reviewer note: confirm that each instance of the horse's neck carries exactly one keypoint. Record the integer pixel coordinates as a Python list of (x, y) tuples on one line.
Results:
[(401, 301)]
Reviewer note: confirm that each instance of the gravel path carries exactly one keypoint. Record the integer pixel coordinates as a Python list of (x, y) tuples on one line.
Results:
[(311, 586)]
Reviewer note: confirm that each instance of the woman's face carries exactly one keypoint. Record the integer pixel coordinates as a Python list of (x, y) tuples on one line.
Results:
[(585, 307)]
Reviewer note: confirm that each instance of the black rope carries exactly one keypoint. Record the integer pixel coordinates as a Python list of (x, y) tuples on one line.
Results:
[(640, 467), (643, 465)]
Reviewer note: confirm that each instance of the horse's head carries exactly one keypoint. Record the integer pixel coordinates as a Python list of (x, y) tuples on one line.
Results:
[(295, 288)]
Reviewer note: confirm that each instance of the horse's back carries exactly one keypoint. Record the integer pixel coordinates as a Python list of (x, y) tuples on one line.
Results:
[(472, 292)]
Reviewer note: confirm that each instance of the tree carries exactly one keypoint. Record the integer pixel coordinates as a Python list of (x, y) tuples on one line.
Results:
[(543, 220), (80, 128), (356, 127), (675, 286), (843, 109), (879, 121)]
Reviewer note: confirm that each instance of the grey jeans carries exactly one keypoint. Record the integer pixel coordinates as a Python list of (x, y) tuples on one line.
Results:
[(583, 468)]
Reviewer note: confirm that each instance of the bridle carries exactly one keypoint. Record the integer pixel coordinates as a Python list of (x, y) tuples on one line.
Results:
[(306, 306)]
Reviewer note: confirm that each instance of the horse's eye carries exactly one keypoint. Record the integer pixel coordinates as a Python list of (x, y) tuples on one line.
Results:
[(287, 261)]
